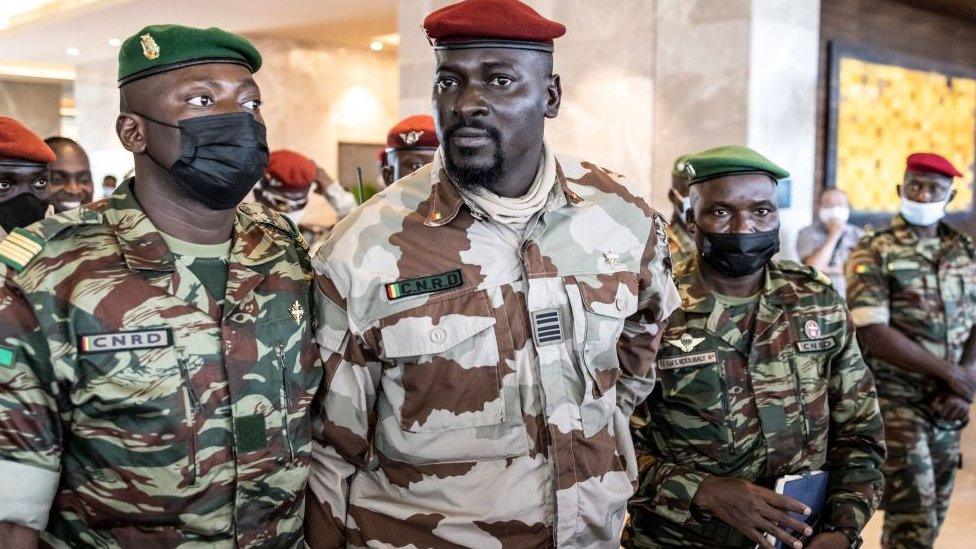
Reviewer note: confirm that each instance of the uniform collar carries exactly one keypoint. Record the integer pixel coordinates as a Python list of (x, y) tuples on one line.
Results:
[(445, 201), (697, 297), (902, 230)]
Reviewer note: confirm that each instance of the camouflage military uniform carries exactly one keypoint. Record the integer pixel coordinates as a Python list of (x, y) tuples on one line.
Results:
[(927, 291), (680, 241), (133, 406), (487, 404), (796, 397)]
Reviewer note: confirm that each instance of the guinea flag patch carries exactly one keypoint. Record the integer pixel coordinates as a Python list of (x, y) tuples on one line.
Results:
[(6, 356), (424, 285)]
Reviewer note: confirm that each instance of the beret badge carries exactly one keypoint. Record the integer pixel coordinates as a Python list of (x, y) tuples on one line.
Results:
[(149, 46)]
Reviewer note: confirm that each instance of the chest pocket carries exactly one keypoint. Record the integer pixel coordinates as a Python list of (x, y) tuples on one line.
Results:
[(600, 304), (448, 394)]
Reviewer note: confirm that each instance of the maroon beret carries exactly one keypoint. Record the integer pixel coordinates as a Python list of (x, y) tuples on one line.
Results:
[(19, 143), (491, 23), (415, 131), (293, 170), (931, 162)]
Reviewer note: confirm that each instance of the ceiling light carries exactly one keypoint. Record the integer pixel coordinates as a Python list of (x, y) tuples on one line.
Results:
[(376, 45), (114, 42), (73, 51)]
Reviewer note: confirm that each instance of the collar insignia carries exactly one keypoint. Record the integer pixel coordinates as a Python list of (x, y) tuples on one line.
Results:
[(686, 343), (297, 312), (611, 258)]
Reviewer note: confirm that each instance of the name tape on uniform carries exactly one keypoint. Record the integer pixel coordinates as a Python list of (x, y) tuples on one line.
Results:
[(815, 345), (697, 359), (424, 285), (125, 341)]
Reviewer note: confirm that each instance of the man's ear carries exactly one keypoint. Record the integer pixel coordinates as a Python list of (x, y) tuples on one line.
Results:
[(690, 221), (132, 132), (387, 172), (555, 92)]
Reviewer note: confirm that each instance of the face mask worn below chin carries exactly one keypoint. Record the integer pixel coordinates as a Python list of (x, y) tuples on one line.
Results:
[(739, 254), (222, 156), (922, 214), (21, 211)]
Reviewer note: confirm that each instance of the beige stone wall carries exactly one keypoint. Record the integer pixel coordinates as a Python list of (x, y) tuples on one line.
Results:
[(36, 105)]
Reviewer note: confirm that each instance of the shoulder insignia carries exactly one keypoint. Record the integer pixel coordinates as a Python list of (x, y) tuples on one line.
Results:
[(266, 216), (19, 248), (821, 278)]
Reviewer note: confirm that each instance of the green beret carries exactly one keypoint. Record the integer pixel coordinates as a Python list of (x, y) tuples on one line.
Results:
[(678, 169), (729, 160), (160, 48)]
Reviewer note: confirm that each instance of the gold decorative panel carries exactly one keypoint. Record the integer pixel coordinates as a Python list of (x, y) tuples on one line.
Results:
[(885, 113)]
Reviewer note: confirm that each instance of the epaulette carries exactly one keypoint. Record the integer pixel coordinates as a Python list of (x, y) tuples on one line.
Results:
[(23, 244), (266, 216), (806, 270)]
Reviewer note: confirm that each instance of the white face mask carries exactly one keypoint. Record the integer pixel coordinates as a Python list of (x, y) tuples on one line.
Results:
[(922, 214), (841, 213)]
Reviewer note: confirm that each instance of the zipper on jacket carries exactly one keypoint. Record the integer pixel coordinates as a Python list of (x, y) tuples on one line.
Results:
[(799, 399), (190, 407), (727, 412), (283, 399)]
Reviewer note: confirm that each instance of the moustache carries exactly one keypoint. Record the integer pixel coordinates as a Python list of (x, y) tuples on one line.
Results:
[(493, 133)]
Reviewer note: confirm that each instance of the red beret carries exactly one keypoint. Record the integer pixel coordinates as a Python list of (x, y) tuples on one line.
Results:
[(19, 143), (413, 132), (293, 170), (487, 23), (931, 162)]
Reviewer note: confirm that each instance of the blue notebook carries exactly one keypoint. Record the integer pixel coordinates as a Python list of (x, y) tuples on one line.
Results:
[(808, 488)]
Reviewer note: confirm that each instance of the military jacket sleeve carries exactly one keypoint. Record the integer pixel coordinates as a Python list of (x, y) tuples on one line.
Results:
[(855, 448), (666, 488), (30, 413), (867, 286), (341, 438)]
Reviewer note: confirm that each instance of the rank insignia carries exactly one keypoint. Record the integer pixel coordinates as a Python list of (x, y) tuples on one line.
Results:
[(687, 342), (297, 312), (150, 48), (546, 327)]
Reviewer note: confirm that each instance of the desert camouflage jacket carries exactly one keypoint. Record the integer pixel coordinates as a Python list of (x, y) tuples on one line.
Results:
[(680, 241), (135, 409), (479, 387), (757, 396), (927, 291)]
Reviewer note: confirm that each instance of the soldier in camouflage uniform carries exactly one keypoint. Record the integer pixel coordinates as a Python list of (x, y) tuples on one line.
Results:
[(483, 353), (680, 241), (759, 376), (912, 291), (154, 386)]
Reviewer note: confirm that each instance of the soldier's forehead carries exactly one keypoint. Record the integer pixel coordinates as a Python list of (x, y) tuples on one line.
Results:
[(929, 177)]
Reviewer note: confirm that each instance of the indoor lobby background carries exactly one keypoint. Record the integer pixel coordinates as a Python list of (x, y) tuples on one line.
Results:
[(837, 91)]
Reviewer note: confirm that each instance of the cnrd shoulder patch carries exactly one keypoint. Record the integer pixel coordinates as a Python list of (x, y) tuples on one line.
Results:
[(424, 285), (19, 248)]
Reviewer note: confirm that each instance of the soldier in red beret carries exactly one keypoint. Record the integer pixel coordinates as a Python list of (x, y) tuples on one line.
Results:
[(24, 176), (911, 289), (409, 146), (488, 322)]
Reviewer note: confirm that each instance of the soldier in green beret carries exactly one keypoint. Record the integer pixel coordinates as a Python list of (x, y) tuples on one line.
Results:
[(680, 241), (156, 352), (759, 375)]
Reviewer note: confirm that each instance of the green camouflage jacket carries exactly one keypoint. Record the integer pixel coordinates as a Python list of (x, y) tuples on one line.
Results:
[(478, 388), (925, 291), (680, 241), (798, 398), (133, 415)]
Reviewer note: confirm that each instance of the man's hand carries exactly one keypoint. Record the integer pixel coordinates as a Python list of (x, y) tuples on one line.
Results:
[(322, 180), (829, 540), (951, 407), (16, 535), (752, 510), (835, 226), (961, 381)]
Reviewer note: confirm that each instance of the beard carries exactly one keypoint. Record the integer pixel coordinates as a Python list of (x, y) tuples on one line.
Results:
[(471, 177)]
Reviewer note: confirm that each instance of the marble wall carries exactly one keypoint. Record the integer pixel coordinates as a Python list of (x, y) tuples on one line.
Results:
[(314, 97)]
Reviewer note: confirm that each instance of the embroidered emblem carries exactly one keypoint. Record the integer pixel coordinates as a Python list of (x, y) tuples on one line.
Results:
[(689, 169), (149, 46), (815, 345), (297, 312), (546, 327), (684, 361), (686, 343), (411, 137), (612, 258), (424, 285), (812, 329), (125, 341)]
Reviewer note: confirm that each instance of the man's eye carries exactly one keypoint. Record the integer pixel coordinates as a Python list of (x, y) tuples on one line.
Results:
[(720, 212), (445, 82), (274, 183), (502, 81), (5, 185), (201, 101), (253, 104), (57, 178), (762, 212), (40, 183), (416, 166)]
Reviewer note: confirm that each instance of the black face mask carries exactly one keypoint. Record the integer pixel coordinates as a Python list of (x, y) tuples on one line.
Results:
[(739, 254), (21, 211), (222, 156)]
